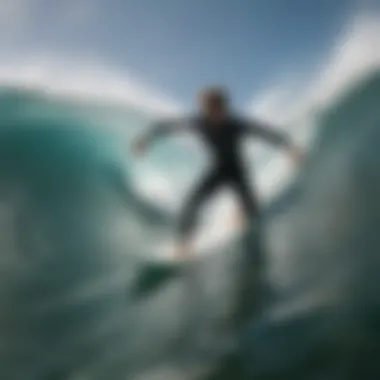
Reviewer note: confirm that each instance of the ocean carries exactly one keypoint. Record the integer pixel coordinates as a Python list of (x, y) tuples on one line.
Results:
[(83, 296)]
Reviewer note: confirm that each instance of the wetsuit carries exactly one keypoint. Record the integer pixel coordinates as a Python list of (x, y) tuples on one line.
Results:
[(228, 167)]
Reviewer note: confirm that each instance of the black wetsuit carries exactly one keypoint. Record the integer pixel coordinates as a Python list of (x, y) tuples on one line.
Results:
[(228, 167)]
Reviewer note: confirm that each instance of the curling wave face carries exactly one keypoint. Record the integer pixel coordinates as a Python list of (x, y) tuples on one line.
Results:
[(79, 293), (75, 240)]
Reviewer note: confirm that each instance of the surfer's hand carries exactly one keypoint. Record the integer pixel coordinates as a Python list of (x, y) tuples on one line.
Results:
[(139, 147), (297, 155)]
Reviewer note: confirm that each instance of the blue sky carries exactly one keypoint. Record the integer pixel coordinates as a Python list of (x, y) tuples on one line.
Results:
[(244, 44), (180, 45), (177, 46)]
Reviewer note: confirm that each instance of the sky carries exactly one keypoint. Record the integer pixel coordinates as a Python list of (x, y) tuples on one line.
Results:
[(178, 46)]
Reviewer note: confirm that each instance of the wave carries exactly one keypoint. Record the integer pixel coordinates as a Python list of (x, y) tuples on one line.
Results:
[(81, 297), (80, 292), (324, 323)]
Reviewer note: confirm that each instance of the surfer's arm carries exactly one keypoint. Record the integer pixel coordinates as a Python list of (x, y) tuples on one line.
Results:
[(267, 133), (274, 137), (162, 129), (165, 128)]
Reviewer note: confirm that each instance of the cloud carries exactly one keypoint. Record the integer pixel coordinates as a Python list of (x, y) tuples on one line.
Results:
[(86, 80)]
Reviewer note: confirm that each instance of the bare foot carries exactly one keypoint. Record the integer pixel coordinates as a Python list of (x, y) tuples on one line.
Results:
[(237, 220), (182, 252)]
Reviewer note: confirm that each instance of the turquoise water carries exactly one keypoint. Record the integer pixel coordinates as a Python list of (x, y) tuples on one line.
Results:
[(81, 299)]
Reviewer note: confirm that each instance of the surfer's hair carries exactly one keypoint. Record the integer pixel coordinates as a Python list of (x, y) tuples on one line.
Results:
[(216, 95)]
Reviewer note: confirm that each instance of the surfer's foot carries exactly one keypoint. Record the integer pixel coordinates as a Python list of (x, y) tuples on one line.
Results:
[(238, 220), (182, 252)]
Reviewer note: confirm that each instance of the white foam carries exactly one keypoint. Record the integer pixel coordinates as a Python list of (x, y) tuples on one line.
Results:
[(84, 80), (292, 105)]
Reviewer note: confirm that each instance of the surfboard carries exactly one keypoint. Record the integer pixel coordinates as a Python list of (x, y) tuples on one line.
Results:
[(156, 272), (165, 265)]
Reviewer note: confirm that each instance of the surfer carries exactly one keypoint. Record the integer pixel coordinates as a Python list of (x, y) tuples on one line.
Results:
[(221, 131)]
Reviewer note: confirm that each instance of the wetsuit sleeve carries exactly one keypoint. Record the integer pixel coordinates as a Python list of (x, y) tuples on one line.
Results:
[(267, 133), (164, 128)]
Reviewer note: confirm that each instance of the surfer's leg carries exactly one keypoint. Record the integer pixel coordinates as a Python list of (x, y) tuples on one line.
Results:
[(247, 197), (254, 239), (203, 191), (252, 265)]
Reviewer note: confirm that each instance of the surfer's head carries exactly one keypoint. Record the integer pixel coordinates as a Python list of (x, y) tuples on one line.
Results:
[(213, 103)]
